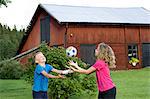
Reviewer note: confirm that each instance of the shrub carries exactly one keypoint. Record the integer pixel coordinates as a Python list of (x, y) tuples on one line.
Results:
[(10, 70), (74, 84)]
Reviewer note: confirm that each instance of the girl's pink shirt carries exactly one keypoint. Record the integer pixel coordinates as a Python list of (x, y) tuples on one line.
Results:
[(104, 80)]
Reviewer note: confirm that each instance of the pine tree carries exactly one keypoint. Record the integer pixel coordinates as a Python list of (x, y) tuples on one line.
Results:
[(9, 41), (4, 2)]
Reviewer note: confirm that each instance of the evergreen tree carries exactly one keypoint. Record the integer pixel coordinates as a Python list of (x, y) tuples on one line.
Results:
[(4, 2), (9, 41)]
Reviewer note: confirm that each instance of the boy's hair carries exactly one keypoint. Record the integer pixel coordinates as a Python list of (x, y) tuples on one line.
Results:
[(35, 56), (106, 53)]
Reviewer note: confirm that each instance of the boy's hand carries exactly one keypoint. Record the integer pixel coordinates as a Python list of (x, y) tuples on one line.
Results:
[(67, 71), (61, 76), (70, 71)]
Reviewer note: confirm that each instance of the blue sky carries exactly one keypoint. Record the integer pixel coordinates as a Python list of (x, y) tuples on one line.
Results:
[(20, 12)]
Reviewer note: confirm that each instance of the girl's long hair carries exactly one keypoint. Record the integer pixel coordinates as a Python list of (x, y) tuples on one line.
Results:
[(106, 53)]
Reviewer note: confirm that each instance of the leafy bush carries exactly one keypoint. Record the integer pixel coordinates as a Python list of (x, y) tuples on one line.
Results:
[(10, 70), (28, 72), (74, 84)]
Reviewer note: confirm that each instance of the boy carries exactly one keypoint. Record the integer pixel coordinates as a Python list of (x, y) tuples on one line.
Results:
[(40, 85)]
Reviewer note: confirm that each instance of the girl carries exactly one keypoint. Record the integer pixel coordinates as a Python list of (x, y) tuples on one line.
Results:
[(105, 60)]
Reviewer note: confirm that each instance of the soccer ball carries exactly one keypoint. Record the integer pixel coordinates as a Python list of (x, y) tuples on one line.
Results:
[(71, 51)]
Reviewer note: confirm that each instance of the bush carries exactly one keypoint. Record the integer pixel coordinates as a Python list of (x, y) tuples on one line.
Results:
[(10, 70), (74, 84)]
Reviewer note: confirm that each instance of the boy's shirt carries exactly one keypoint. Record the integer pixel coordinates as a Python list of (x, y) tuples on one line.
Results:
[(40, 81)]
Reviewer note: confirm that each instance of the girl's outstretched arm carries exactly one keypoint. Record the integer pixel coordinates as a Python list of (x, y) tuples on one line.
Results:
[(81, 70)]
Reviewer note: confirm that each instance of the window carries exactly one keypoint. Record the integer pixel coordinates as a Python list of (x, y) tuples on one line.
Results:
[(45, 29), (132, 51), (87, 53)]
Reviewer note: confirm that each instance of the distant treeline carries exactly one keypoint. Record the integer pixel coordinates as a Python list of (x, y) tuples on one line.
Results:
[(9, 41)]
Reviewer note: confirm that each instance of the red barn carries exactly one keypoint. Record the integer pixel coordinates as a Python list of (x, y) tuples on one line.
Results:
[(126, 30)]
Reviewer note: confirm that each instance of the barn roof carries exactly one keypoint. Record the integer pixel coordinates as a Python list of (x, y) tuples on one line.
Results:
[(133, 15)]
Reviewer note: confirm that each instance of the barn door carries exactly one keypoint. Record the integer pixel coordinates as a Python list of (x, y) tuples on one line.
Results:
[(45, 29), (146, 54), (87, 53)]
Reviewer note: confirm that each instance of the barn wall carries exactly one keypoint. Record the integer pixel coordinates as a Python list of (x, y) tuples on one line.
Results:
[(112, 35), (137, 35), (90, 35), (144, 38), (132, 37), (57, 33), (132, 34), (33, 39), (118, 37), (121, 57), (145, 34)]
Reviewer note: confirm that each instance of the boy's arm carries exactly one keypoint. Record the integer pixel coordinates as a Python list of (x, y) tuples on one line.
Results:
[(62, 71), (57, 71), (51, 76)]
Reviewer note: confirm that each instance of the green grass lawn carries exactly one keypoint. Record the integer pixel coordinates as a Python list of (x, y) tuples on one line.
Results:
[(131, 84), (15, 89)]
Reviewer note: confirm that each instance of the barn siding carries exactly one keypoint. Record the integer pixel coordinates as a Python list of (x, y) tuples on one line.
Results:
[(57, 32), (121, 56), (144, 38), (89, 35), (114, 36), (145, 34), (117, 36), (132, 34), (34, 38)]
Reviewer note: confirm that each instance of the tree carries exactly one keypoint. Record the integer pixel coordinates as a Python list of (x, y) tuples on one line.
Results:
[(4, 2), (9, 41)]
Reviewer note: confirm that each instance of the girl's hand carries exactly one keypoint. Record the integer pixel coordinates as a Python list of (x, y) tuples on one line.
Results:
[(73, 68), (75, 64)]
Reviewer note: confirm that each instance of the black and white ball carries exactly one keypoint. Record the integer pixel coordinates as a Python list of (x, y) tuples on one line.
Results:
[(71, 51)]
